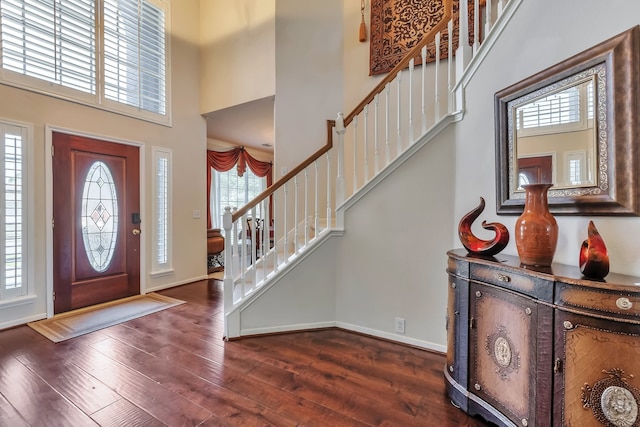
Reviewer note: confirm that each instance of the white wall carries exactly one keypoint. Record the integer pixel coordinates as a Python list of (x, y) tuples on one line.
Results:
[(186, 137), (309, 79), (238, 52), (538, 37), (391, 260)]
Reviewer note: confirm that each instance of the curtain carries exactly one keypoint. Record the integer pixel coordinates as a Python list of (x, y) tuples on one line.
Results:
[(223, 161)]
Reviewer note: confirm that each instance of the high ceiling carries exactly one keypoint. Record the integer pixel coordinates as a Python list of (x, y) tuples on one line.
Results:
[(249, 124)]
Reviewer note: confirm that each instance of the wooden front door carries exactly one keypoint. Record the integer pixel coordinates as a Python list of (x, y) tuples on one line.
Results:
[(96, 221), (535, 170)]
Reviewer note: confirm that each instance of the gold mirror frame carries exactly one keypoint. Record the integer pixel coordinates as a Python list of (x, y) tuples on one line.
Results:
[(615, 65)]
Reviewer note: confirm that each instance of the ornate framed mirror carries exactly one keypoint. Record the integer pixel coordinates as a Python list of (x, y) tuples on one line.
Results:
[(574, 125)]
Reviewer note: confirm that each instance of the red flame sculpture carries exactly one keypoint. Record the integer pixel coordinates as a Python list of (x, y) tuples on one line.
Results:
[(594, 259), (479, 246)]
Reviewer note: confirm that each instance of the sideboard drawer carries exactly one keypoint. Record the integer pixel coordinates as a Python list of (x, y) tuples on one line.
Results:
[(602, 301), (528, 284)]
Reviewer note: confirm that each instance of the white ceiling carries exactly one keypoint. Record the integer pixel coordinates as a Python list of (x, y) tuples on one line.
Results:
[(249, 124)]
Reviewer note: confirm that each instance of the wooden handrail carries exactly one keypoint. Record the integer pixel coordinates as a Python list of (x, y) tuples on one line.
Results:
[(413, 53), (279, 183), (429, 37)]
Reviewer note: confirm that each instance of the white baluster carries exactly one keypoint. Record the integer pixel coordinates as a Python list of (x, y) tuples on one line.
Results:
[(329, 185), (500, 7), (375, 133), (295, 214), (306, 207), (340, 178), (285, 189), (411, 66), (355, 154), (227, 223), (450, 66), (316, 219), (423, 91), (436, 93), (386, 136), (274, 231), (476, 26), (398, 115), (366, 143)]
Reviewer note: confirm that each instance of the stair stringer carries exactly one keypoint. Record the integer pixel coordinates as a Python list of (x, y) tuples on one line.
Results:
[(262, 311)]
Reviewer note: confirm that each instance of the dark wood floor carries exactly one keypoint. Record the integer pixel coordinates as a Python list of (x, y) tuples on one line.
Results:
[(173, 368)]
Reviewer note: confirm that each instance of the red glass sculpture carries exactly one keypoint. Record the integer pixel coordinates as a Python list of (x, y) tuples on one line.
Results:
[(478, 246), (594, 259)]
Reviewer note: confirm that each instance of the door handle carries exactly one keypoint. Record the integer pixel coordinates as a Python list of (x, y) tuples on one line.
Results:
[(136, 231)]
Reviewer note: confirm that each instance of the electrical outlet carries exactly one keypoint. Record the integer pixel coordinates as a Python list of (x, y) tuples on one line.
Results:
[(399, 325)]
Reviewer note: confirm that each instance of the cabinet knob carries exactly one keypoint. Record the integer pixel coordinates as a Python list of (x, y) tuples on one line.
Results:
[(567, 324), (525, 422), (503, 277), (624, 303), (478, 294), (477, 387), (453, 285)]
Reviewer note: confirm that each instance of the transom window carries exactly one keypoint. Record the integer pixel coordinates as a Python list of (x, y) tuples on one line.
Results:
[(110, 53)]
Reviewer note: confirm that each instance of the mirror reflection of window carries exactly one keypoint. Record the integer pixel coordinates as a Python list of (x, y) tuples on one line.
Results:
[(576, 168)]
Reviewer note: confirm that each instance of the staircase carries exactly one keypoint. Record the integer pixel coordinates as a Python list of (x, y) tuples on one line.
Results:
[(301, 211)]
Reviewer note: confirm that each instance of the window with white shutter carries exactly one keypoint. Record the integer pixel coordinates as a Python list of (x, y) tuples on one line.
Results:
[(107, 53)]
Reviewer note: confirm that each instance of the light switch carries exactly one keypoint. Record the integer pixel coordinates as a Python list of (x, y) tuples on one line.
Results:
[(196, 214)]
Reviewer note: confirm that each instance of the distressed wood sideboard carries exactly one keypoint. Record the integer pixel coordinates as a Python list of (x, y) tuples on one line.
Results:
[(531, 346)]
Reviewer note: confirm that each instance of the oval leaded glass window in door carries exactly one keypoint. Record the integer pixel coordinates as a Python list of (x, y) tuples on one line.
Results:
[(99, 216)]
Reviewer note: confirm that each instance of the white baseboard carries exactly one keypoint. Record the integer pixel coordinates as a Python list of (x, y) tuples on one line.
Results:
[(23, 321), (349, 327)]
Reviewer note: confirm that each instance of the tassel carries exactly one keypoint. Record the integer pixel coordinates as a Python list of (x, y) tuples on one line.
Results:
[(362, 36)]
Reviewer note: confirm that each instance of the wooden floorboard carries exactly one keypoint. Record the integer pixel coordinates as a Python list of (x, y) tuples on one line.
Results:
[(172, 368)]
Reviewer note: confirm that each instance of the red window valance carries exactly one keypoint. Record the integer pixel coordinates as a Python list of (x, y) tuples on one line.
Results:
[(223, 161)]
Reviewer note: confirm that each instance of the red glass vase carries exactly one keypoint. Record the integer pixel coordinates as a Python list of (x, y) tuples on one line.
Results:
[(536, 230), (594, 258)]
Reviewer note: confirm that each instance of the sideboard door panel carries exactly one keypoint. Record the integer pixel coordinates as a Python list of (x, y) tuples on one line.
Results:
[(503, 351), (598, 372), (457, 337)]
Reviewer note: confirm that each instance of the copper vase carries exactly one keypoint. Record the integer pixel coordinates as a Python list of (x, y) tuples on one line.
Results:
[(536, 230)]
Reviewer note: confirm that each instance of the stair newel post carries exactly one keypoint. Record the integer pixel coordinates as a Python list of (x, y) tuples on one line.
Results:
[(487, 24), (340, 178), (463, 53), (227, 223)]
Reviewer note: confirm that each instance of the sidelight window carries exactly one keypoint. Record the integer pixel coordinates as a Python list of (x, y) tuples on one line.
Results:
[(13, 211)]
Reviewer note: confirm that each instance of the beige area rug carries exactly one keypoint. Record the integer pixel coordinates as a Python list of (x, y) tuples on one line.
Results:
[(82, 321)]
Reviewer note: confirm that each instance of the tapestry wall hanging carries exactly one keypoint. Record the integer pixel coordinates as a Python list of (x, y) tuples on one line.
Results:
[(397, 25)]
